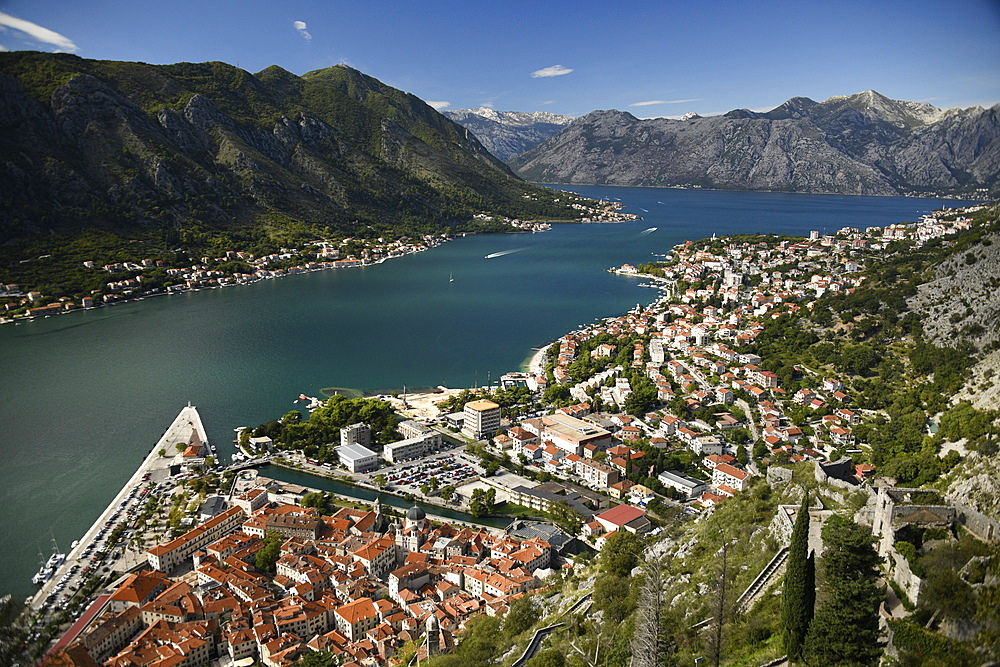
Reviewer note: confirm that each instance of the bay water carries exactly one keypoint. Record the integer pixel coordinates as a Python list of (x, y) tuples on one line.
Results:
[(84, 396)]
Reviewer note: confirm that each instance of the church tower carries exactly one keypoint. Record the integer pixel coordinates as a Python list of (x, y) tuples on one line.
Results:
[(433, 636)]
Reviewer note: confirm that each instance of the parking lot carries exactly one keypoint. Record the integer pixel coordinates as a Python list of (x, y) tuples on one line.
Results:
[(448, 468)]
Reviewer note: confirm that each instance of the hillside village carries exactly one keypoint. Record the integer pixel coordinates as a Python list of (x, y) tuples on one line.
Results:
[(685, 369), (232, 268), (126, 280)]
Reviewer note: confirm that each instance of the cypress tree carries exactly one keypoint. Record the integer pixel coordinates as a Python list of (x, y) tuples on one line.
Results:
[(798, 593), (846, 629)]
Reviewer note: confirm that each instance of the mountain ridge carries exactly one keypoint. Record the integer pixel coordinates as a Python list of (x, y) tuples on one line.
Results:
[(864, 143), (509, 133), (122, 145)]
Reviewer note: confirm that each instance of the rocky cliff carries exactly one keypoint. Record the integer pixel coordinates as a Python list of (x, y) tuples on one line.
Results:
[(117, 145), (861, 144), (506, 134)]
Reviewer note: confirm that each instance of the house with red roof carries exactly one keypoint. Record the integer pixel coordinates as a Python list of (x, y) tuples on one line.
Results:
[(624, 517), (727, 475)]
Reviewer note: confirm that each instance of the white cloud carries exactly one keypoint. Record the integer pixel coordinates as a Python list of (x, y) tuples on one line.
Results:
[(555, 70), (438, 104), (301, 27), (38, 33), (3, 48), (652, 102), (549, 102)]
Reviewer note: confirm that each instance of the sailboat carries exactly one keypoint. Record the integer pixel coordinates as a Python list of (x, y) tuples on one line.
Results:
[(451, 277)]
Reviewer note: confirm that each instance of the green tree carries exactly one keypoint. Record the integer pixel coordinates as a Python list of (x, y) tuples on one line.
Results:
[(520, 617), (482, 502), (268, 555), (318, 659), (447, 493), (845, 628), (621, 554), (566, 516), (12, 632), (317, 499), (550, 657), (798, 593), (380, 480)]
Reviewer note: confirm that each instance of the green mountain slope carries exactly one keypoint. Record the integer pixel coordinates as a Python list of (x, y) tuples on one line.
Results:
[(127, 146)]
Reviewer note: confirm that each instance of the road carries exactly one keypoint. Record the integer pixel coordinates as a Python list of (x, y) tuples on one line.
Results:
[(751, 418)]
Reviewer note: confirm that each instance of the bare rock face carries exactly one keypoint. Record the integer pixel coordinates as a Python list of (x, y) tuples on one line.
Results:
[(508, 133), (863, 144), (976, 484), (962, 302)]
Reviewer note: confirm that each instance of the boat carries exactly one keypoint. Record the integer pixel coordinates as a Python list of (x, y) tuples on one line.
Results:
[(50, 566), (451, 278)]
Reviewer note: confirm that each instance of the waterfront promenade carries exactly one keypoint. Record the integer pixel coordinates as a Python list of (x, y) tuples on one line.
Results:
[(93, 542)]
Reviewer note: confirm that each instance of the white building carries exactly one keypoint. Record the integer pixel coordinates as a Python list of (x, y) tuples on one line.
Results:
[(727, 475), (357, 458), (482, 419), (408, 449), (356, 434), (413, 429), (572, 434), (687, 485)]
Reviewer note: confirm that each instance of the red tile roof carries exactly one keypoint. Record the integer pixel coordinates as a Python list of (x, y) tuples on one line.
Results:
[(621, 514)]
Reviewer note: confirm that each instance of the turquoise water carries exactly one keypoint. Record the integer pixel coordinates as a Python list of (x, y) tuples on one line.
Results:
[(85, 395)]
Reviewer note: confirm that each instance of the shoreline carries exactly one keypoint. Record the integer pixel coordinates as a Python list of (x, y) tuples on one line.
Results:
[(535, 365), (700, 188), (421, 405), (186, 290), (187, 417)]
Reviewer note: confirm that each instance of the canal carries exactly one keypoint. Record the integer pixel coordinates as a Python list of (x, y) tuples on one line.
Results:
[(368, 495)]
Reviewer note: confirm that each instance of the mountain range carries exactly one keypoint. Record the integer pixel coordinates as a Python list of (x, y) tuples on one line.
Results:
[(509, 133), (125, 145), (864, 144)]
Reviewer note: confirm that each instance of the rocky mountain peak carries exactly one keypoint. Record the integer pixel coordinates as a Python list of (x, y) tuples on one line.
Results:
[(864, 143), (508, 133)]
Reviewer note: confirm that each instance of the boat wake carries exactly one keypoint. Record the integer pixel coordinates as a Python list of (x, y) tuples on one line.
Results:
[(503, 252), (647, 232)]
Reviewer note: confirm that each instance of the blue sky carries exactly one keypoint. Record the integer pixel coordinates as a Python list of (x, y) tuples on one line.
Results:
[(649, 58)]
